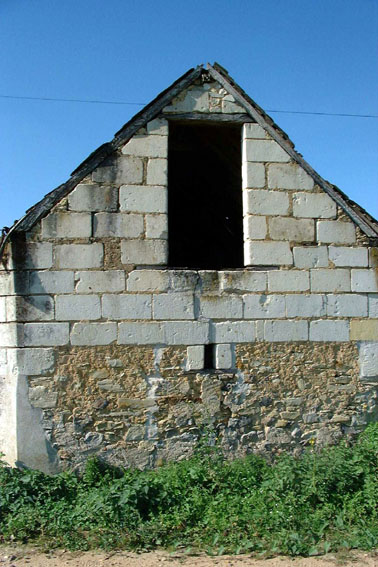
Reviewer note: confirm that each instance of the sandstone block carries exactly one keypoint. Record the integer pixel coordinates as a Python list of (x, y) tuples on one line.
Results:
[(93, 334), (255, 227), (148, 280), (11, 335), (67, 225), (313, 205), (52, 282), (369, 359), (138, 198), (301, 305), (298, 230), (334, 331), (285, 331), (253, 175), (264, 150), (373, 306), (118, 224), (288, 280), (330, 280), (263, 306), (213, 307), (157, 172), (347, 256), (365, 280), (253, 131), (46, 334), (288, 176), (31, 361), (126, 306), (173, 306), (30, 308), (347, 305), (157, 226), (336, 232), (267, 253), (79, 255), (149, 146), (243, 281), (158, 127), (364, 330), (144, 252), (185, 280), (310, 257), (233, 332), (260, 202), (195, 357), (140, 333), (186, 332), (127, 169), (94, 281), (223, 356), (87, 197), (77, 307)]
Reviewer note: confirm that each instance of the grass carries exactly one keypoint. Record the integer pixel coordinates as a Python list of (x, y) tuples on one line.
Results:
[(321, 502)]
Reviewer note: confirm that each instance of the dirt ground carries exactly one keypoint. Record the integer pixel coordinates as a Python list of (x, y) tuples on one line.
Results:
[(31, 557)]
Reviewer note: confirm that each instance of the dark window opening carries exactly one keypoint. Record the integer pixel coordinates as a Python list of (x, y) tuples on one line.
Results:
[(205, 215), (209, 362)]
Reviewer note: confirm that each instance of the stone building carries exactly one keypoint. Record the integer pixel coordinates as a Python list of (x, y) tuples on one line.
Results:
[(194, 274)]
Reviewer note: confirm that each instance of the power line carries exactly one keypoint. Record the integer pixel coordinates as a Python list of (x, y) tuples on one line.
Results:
[(122, 102)]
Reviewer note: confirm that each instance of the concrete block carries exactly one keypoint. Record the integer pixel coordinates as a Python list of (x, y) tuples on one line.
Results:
[(373, 306), (336, 232), (156, 226), (264, 150), (87, 197), (138, 198), (253, 175), (288, 176), (158, 127), (254, 131), (126, 169), (173, 306), (33, 256), (255, 227), (243, 280), (288, 280), (195, 357), (3, 313), (331, 280), (260, 202), (347, 305), (31, 361), (186, 332), (233, 332), (125, 306), (46, 334), (223, 356), (94, 281), (77, 307), (148, 146), (333, 331), (213, 307), (118, 224), (30, 308), (300, 305), (148, 280), (67, 225), (369, 359), (11, 335), (364, 330), (313, 205), (298, 230), (267, 253), (90, 334), (157, 171), (347, 256), (144, 252), (79, 256), (365, 280), (261, 306), (140, 333), (285, 331), (52, 282), (310, 256)]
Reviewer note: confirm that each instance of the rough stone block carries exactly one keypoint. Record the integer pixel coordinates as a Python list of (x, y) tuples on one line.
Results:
[(254, 131), (288, 176), (144, 252), (77, 307), (223, 356), (285, 331), (31, 361), (264, 150), (86, 197), (243, 281), (30, 308), (148, 280), (260, 202), (298, 230), (213, 307), (347, 305), (118, 224), (255, 227), (67, 225), (263, 306), (364, 330), (93, 334), (149, 146), (365, 280), (369, 359), (267, 253), (158, 127), (79, 255), (336, 232), (300, 305), (52, 282), (173, 306), (186, 332), (233, 332), (347, 256), (125, 306), (330, 280), (11, 335), (140, 333), (310, 257), (94, 281), (373, 306), (288, 280), (46, 334), (195, 357), (253, 175), (138, 198), (157, 172), (334, 331), (157, 226), (313, 205), (41, 397), (126, 169)]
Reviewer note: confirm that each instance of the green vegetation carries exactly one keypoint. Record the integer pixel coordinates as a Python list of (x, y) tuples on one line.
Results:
[(298, 506)]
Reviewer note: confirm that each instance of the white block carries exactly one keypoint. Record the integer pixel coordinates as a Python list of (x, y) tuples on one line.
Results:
[(288, 176), (67, 225), (173, 306), (186, 332), (30, 308), (255, 227), (31, 361), (52, 282), (298, 230), (186, 280), (93, 334), (369, 359), (334, 331), (233, 332), (288, 280), (125, 306), (158, 127), (313, 205), (253, 131), (35, 256), (195, 357), (264, 150), (7, 282), (79, 255), (127, 169), (336, 232), (261, 306), (195, 98), (138, 198), (215, 307), (223, 356), (94, 281), (157, 172), (46, 334), (310, 257), (149, 146), (3, 313), (93, 198), (373, 306), (140, 333), (330, 280), (11, 335), (301, 305), (253, 175), (144, 252), (118, 224), (77, 307), (347, 256), (285, 331), (156, 226), (260, 202), (365, 280), (243, 280), (148, 280), (347, 305), (267, 253)]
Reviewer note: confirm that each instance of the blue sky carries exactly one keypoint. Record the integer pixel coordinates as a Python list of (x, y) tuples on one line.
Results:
[(302, 55)]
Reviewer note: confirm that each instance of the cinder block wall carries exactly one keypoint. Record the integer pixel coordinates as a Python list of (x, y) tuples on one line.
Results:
[(102, 347)]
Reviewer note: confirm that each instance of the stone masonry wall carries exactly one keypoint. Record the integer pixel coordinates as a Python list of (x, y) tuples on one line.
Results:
[(102, 347)]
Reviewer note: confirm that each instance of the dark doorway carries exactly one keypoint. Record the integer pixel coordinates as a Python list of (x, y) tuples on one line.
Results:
[(205, 217)]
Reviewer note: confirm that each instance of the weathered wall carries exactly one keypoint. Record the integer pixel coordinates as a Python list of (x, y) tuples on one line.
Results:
[(102, 346)]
